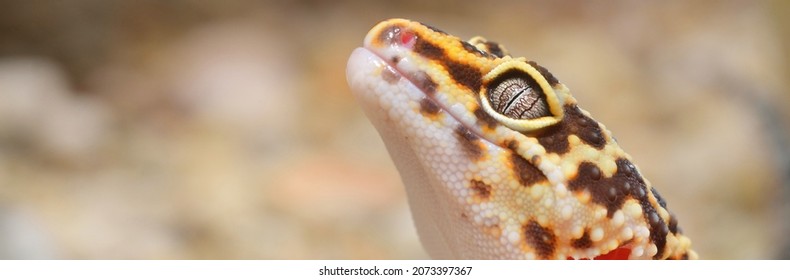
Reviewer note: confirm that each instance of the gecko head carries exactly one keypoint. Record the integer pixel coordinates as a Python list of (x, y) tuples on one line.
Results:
[(476, 131)]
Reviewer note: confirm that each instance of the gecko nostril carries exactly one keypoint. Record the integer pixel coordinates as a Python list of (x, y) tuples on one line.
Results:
[(407, 38), (396, 36)]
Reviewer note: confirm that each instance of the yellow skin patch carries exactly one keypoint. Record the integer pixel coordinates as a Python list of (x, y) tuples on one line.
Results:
[(498, 160)]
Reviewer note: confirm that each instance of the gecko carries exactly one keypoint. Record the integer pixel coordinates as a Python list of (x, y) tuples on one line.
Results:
[(498, 159)]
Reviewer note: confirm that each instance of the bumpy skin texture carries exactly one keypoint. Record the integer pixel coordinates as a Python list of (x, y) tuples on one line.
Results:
[(545, 182)]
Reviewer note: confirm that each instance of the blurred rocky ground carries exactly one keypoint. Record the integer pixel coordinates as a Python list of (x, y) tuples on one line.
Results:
[(213, 130)]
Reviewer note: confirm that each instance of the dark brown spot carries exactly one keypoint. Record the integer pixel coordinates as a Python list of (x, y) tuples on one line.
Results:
[(545, 73), (610, 192), (592, 134), (485, 119), (464, 216), (527, 174), (428, 50), (395, 59), (464, 74), (428, 107), (613, 191), (511, 144), (481, 189), (495, 49), (555, 138), (540, 238), (470, 142), (424, 83), (583, 242), (390, 75), (685, 256)]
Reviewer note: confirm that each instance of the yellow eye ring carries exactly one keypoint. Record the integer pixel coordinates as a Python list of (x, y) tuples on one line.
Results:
[(531, 106)]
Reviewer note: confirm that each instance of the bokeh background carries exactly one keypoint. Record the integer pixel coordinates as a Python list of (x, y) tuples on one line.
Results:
[(225, 129)]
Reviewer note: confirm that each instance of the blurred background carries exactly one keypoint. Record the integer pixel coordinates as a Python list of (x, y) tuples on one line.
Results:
[(225, 130)]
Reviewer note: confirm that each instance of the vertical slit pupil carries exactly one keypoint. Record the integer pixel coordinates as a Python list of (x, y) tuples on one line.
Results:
[(517, 95)]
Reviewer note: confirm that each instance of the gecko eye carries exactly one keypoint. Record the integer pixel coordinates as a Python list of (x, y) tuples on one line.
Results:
[(518, 96)]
